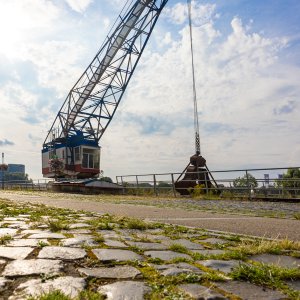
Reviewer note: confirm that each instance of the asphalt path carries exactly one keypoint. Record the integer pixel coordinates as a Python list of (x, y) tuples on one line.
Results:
[(239, 224)]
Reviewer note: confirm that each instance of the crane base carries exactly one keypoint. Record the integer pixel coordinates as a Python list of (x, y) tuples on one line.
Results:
[(196, 173), (88, 186)]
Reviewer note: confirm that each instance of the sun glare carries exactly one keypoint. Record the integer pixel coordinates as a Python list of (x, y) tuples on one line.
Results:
[(11, 22), (20, 22)]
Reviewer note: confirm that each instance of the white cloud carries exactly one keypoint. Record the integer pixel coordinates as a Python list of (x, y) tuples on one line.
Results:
[(56, 63), (79, 5), (239, 80), (201, 14), (20, 21)]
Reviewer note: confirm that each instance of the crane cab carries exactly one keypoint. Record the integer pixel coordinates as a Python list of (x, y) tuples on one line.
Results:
[(77, 160)]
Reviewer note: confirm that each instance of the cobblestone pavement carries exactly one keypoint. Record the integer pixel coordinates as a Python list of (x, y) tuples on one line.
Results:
[(91, 256), (214, 220)]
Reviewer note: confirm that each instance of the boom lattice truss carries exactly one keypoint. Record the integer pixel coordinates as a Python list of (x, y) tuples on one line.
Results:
[(92, 102)]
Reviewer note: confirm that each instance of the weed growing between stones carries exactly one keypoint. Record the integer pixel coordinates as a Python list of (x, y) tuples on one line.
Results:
[(133, 223), (5, 239), (54, 295), (175, 231), (98, 238), (143, 239), (90, 295), (58, 295), (56, 225), (248, 247), (104, 222), (296, 216), (268, 275), (178, 248), (42, 244)]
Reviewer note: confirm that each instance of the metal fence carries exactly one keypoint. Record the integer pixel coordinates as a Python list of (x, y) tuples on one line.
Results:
[(38, 184), (243, 183), (240, 183)]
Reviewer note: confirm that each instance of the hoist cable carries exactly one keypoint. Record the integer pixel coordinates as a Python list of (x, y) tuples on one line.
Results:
[(196, 122)]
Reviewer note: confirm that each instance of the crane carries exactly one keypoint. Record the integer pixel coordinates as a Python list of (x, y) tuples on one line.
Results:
[(89, 107), (92, 102)]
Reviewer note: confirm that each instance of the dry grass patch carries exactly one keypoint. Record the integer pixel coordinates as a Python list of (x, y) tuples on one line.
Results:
[(267, 246)]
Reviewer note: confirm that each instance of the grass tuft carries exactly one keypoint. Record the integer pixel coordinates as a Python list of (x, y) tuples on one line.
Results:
[(178, 248), (53, 295), (89, 295), (263, 274), (58, 225), (5, 239), (266, 246), (296, 216), (137, 224)]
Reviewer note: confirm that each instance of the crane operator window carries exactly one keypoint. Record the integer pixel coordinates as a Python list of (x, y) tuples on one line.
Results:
[(90, 158)]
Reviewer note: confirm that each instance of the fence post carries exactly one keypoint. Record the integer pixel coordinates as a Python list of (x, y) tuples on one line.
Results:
[(206, 185), (173, 185), (154, 185), (248, 185), (122, 182), (137, 182)]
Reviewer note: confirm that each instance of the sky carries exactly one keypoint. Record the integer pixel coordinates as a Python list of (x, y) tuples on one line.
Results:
[(247, 64)]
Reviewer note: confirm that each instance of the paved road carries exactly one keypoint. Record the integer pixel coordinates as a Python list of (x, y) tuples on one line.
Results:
[(256, 226)]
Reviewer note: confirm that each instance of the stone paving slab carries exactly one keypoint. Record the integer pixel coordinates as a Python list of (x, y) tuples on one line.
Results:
[(225, 266), (175, 269), (250, 291), (125, 290), (64, 253), (79, 225), (109, 234), (166, 255), (115, 254), (200, 292), (78, 241), (118, 272), (294, 284), (32, 267), (69, 285), (114, 243), (213, 241), (279, 260), (27, 242), (15, 252), (147, 246), (8, 231), (185, 243), (46, 235), (209, 252)]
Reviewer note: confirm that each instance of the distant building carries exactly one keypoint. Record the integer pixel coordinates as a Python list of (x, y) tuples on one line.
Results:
[(16, 168), (13, 169)]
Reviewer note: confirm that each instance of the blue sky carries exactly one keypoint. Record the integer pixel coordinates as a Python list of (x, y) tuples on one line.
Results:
[(247, 72)]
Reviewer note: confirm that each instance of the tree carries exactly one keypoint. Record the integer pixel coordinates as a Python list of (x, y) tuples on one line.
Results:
[(57, 165), (16, 176), (290, 181), (247, 180)]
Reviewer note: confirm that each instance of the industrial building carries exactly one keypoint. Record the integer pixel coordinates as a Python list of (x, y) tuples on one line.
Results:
[(13, 169)]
